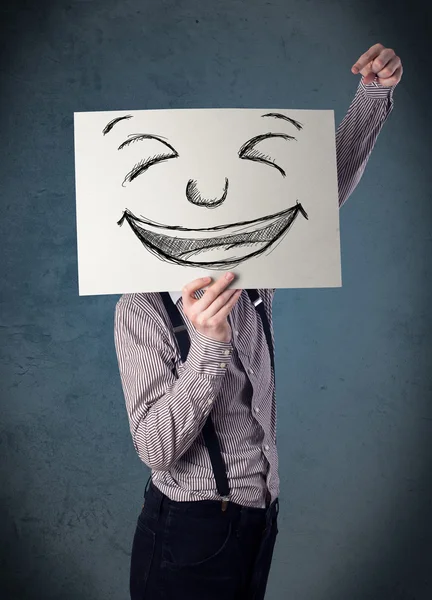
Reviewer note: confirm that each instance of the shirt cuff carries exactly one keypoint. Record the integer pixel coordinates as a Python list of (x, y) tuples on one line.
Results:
[(207, 356), (376, 90)]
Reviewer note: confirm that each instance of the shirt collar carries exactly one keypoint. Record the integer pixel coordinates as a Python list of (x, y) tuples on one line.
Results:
[(175, 296)]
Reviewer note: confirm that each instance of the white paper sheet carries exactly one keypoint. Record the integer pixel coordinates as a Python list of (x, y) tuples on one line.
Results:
[(166, 196)]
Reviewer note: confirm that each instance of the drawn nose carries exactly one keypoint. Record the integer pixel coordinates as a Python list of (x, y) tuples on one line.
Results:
[(194, 195)]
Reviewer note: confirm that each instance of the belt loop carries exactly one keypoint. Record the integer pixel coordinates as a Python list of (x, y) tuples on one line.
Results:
[(154, 499), (147, 486)]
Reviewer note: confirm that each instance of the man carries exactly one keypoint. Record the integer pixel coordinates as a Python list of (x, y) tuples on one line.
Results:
[(203, 417)]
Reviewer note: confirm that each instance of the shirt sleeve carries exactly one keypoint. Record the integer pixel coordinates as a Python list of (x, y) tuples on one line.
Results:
[(358, 132), (166, 413)]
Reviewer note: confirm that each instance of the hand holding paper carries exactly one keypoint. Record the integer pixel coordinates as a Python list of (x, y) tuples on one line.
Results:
[(381, 63), (209, 314)]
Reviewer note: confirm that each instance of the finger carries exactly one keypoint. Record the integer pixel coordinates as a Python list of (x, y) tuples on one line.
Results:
[(217, 304), (225, 310), (214, 291), (382, 60), (389, 69), (370, 71), (189, 290), (366, 58), (368, 78), (392, 80)]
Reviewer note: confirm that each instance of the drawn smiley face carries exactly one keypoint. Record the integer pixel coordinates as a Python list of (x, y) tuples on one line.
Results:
[(222, 246)]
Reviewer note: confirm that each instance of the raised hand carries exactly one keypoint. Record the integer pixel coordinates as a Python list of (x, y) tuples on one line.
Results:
[(381, 63)]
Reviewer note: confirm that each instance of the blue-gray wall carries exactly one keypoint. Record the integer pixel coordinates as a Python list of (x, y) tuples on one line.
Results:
[(353, 364)]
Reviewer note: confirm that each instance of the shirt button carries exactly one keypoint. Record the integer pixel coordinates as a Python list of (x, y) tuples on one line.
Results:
[(236, 332), (222, 365), (227, 352), (266, 448), (256, 409), (250, 371)]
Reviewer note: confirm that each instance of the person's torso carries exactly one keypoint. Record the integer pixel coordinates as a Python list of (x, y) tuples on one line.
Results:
[(244, 416)]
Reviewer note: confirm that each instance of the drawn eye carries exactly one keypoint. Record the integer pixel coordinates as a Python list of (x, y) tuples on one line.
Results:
[(153, 158), (249, 150)]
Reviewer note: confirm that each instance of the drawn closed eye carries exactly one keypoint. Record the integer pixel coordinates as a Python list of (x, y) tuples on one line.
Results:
[(250, 151), (152, 159)]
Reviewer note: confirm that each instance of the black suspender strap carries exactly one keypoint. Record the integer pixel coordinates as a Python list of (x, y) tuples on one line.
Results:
[(214, 450), (259, 305), (209, 433), (178, 325)]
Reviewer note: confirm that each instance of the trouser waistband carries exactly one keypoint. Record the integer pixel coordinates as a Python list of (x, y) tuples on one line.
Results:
[(156, 499)]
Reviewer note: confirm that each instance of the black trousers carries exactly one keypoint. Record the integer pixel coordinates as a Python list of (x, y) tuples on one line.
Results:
[(195, 551)]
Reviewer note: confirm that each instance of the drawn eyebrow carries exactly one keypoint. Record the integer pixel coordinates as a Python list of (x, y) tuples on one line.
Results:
[(111, 124), (137, 137), (296, 124)]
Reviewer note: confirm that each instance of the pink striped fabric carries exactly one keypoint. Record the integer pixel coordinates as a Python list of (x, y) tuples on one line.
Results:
[(233, 381)]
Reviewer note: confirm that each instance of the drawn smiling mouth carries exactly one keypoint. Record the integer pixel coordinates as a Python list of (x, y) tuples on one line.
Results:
[(229, 246)]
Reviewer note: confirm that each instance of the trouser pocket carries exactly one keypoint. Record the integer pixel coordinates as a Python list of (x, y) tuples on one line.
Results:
[(142, 555), (195, 541)]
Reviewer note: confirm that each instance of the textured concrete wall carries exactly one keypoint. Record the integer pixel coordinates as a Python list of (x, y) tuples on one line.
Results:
[(353, 365)]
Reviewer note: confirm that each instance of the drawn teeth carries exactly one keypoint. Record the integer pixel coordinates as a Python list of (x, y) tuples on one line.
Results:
[(230, 230), (216, 247)]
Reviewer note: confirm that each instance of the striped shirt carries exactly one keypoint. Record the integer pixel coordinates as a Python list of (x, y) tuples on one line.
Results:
[(234, 381)]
